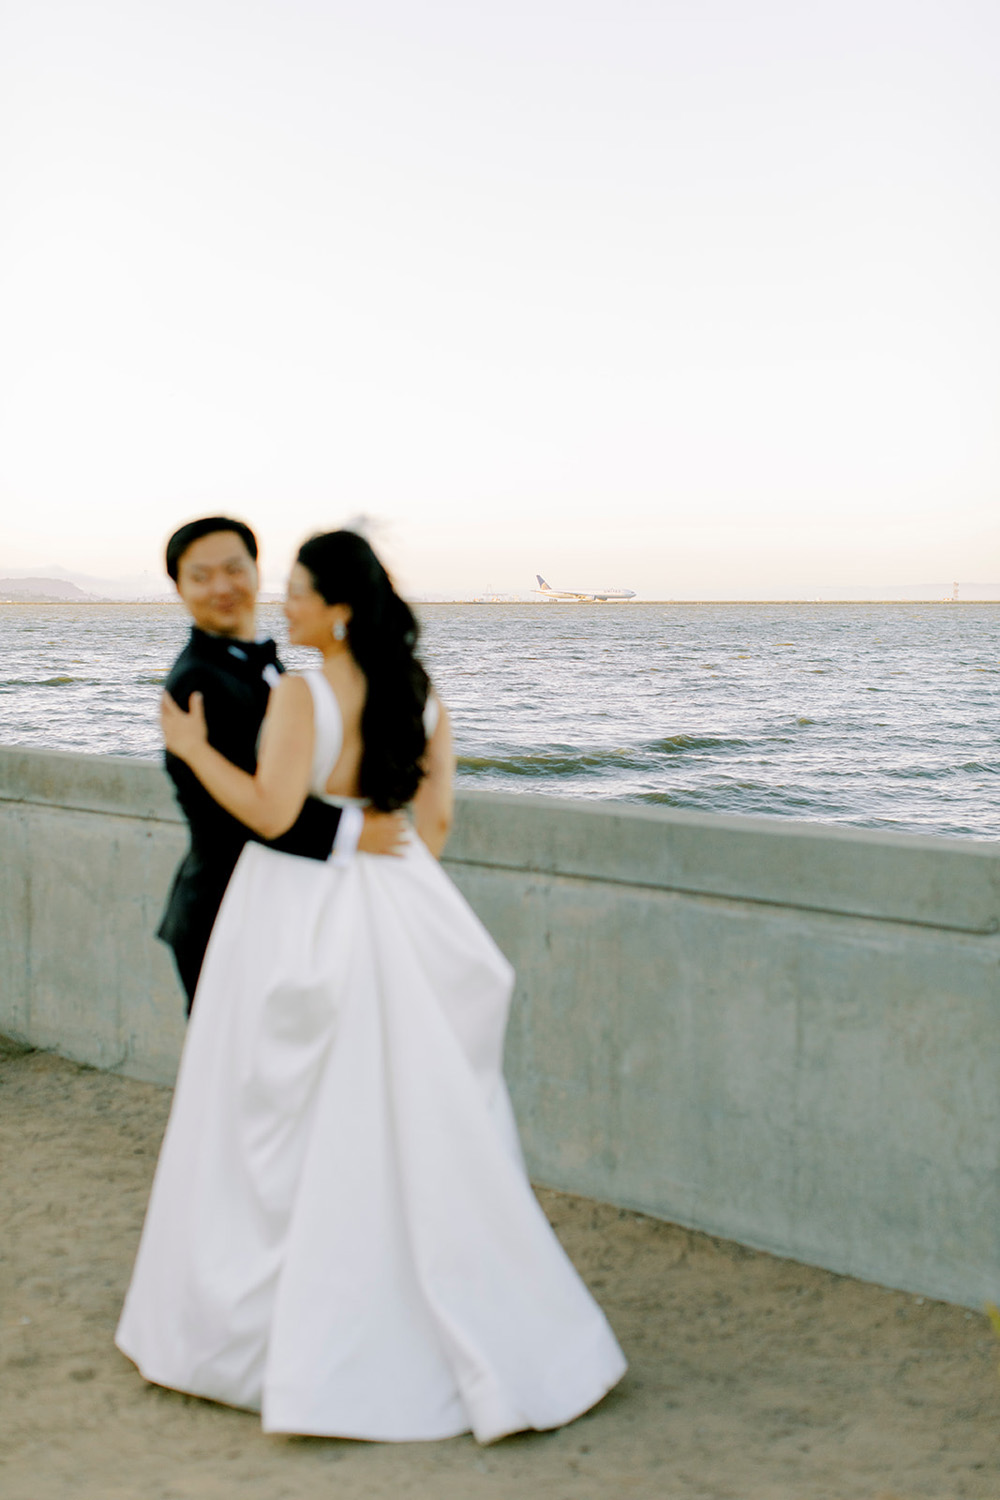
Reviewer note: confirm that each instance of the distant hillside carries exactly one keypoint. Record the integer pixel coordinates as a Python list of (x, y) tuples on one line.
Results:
[(42, 591)]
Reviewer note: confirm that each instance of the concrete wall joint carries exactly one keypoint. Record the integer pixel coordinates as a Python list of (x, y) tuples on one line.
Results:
[(125, 813), (682, 888)]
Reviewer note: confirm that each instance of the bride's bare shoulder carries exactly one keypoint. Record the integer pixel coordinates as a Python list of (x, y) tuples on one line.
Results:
[(291, 694)]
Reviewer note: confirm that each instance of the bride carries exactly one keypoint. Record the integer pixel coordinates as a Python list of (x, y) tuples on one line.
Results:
[(341, 1234)]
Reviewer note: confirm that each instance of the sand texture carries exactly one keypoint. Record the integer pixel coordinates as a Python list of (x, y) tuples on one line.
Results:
[(751, 1378)]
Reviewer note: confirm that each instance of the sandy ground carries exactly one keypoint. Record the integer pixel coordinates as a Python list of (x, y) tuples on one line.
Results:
[(751, 1378)]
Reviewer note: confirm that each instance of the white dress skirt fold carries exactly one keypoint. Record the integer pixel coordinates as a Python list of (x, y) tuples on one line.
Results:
[(341, 1234)]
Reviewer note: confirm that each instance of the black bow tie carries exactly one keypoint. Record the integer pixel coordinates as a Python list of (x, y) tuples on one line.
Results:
[(259, 654), (262, 653)]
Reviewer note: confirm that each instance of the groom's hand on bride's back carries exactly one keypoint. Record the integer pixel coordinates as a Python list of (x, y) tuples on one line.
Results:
[(384, 832)]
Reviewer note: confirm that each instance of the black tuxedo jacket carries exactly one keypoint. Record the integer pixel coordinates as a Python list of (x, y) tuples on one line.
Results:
[(235, 679)]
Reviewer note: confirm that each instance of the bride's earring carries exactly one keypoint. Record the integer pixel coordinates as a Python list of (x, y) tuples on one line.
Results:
[(339, 630)]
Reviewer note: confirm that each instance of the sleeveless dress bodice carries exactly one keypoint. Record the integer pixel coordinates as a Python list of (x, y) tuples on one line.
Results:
[(329, 737), (328, 728)]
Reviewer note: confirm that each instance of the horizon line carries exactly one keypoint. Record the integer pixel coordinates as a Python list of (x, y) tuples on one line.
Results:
[(173, 600)]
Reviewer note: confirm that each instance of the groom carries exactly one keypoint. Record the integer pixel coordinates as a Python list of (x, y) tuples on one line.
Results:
[(213, 563)]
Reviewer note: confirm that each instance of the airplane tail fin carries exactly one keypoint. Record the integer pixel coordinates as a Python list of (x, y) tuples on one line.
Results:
[(542, 584)]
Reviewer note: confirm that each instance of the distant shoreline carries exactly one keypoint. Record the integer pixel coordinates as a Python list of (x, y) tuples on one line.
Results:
[(508, 603), (627, 604), (42, 603)]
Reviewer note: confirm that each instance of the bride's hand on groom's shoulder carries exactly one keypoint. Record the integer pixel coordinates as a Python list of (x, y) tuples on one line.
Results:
[(183, 732)]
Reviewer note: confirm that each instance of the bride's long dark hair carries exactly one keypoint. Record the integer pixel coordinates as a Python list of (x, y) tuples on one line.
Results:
[(382, 634)]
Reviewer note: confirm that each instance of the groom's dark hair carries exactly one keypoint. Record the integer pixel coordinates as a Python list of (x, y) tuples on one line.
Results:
[(185, 537)]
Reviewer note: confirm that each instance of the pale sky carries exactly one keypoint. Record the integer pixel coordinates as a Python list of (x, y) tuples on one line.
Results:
[(694, 297)]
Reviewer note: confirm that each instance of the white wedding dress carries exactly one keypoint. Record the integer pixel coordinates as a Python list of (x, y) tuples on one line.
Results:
[(341, 1234)]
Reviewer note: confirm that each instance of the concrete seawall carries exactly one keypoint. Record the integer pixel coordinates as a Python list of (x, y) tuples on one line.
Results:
[(785, 1034)]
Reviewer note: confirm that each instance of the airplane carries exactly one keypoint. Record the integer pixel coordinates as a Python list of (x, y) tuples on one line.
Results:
[(602, 596)]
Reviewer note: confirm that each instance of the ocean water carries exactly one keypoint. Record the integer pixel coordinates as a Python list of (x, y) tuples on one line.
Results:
[(878, 716)]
